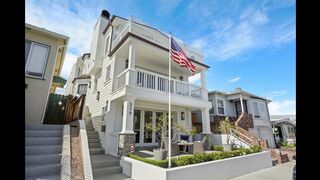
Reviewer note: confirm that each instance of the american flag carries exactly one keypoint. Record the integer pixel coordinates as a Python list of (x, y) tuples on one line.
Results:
[(178, 56)]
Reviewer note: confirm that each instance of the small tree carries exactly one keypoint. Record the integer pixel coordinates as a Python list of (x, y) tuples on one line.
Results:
[(225, 128)]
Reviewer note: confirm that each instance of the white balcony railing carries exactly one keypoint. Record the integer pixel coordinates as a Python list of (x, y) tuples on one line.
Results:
[(149, 80), (156, 37)]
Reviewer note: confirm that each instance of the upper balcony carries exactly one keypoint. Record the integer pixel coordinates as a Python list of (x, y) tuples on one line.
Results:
[(154, 36), (154, 86)]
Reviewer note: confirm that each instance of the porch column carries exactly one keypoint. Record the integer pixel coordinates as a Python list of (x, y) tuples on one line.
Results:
[(203, 84), (128, 111), (189, 118), (241, 103), (126, 138), (205, 121), (132, 55)]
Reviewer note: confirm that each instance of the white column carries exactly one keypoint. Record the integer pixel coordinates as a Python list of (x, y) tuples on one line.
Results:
[(189, 118), (128, 112), (132, 55), (241, 103), (203, 84), (205, 121)]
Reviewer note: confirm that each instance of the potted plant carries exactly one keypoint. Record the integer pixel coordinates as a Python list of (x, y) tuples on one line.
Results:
[(225, 128)]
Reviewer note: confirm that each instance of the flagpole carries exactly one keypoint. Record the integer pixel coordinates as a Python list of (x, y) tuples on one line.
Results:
[(169, 117)]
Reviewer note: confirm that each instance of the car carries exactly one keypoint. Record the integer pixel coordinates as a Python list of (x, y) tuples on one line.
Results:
[(294, 170)]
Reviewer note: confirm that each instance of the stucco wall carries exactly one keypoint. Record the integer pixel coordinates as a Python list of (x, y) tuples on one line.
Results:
[(37, 92)]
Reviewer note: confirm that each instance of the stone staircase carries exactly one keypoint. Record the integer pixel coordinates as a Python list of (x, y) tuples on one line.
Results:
[(43, 146), (104, 166)]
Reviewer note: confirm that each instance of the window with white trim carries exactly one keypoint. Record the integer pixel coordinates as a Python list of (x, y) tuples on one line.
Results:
[(211, 111), (220, 104), (256, 110), (82, 89), (36, 58), (108, 73)]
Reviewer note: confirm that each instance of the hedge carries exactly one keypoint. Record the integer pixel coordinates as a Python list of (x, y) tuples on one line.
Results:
[(198, 158)]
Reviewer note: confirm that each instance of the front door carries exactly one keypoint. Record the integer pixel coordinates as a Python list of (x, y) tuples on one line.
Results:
[(136, 124), (238, 107)]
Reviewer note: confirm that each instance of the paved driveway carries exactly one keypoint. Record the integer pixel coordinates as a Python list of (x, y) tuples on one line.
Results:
[(279, 172)]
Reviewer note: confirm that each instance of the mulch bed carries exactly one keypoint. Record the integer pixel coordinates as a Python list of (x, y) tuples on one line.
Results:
[(76, 155)]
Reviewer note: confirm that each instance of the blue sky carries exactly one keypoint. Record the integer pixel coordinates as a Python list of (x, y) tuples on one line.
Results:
[(247, 43)]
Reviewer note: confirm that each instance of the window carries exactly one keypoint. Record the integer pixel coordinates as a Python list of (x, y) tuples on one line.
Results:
[(127, 64), (108, 73), (107, 45), (90, 84), (36, 57), (82, 89), (220, 106), (181, 78), (211, 111), (256, 110), (98, 95)]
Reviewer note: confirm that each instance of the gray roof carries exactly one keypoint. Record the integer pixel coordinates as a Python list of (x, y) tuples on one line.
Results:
[(239, 91)]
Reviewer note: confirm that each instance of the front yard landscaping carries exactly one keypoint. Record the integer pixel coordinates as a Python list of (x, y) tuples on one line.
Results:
[(198, 158)]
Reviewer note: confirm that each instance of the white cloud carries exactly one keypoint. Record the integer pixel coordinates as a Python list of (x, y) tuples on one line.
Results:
[(287, 107), (272, 94), (194, 79), (69, 60), (234, 79), (238, 31)]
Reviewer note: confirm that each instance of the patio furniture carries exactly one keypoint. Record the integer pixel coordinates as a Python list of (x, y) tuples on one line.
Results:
[(174, 146), (197, 146), (184, 146)]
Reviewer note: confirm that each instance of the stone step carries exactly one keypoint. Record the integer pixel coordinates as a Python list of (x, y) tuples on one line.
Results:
[(43, 141), (31, 126), (42, 170), (43, 149), (106, 170), (93, 140), (99, 164), (43, 133), (95, 145), (43, 159), (116, 176), (92, 136), (53, 177), (94, 151), (92, 133)]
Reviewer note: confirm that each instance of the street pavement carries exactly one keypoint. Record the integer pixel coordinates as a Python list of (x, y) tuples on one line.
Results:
[(279, 172)]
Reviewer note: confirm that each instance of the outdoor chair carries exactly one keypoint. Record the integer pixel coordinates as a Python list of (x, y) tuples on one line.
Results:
[(174, 146), (198, 146)]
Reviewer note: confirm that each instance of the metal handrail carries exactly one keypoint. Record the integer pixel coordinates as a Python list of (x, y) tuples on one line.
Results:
[(233, 130)]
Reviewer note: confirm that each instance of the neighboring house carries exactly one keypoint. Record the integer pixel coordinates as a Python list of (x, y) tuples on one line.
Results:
[(255, 118), (284, 128), (44, 56), (128, 65), (78, 81)]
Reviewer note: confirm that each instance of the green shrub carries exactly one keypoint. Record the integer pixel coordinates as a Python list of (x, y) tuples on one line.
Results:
[(198, 158), (217, 148), (160, 163)]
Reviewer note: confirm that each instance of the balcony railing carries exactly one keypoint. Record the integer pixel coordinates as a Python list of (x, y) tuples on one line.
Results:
[(155, 37), (149, 80)]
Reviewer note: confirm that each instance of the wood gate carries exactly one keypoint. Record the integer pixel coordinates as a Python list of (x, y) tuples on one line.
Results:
[(63, 109)]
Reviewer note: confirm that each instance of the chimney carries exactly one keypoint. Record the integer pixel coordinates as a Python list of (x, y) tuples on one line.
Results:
[(105, 14), (238, 89)]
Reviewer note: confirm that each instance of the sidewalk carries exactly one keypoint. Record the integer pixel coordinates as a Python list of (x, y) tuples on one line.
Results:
[(279, 172)]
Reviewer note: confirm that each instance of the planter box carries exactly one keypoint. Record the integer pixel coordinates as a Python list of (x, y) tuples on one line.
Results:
[(214, 170)]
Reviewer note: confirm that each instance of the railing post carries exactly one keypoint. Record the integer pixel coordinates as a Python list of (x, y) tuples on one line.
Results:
[(156, 83), (174, 86)]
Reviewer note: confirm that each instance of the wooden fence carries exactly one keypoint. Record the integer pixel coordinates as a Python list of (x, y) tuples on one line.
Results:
[(63, 109)]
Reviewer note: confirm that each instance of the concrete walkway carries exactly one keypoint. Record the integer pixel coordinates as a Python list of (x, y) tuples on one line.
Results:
[(279, 172)]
